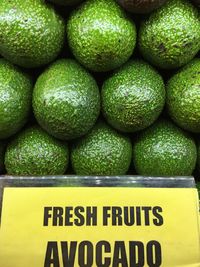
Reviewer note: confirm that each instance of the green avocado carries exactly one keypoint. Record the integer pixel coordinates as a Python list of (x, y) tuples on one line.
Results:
[(183, 97), (170, 36), (164, 150), (103, 151), (66, 100), (133, 97), (100, 35), (2, 153), (34, 152), (141, 6), (66, 2), (15, 98), (32, 33)]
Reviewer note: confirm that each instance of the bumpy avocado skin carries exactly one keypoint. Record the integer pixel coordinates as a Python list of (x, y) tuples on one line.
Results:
[(183, 97), (170, 37), (66, 100), (103, 151), (164, 150), (100, 35), (32, 33), (66, 2), (15, 98), (133, 97), (34, 152), (141, 6)]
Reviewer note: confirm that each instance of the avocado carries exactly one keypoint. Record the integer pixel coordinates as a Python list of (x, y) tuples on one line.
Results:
[(133, 97), (170, 36), (35, 152), (2, 152), (103, 151), (66, 100), (100, 35), (141, 6), (15, 100), (163, 149), (66, 2), (183, 97), (32, 33)]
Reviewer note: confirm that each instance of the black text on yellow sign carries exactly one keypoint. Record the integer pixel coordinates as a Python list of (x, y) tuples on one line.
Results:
[(102, 227), (103, 253)]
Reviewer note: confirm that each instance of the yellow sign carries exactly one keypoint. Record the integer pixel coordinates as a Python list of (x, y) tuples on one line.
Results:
[(100, 227)]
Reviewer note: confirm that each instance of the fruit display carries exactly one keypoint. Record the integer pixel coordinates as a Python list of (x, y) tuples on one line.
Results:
[(170, 36), (35, 152), (66, 100), (99, 87), (15, 102), (134, 97), (32, 32), (101, 35), (183, 97), (103, 151), (164, 150)]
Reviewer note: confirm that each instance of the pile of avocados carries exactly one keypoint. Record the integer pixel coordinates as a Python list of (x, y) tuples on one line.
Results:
[(100, 87)]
